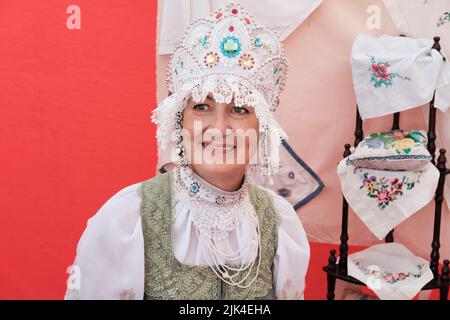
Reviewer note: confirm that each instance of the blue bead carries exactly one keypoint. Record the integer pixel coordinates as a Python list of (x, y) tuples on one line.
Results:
[(194, 187), (227, 42)]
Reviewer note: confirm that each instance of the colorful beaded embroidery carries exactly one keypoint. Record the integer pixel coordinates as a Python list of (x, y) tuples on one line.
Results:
[(230, 56), (231, 33), (246, 61), (230, 46), (211, 59), (201, 40)]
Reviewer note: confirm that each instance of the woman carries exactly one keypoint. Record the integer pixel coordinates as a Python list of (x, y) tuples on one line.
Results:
[(202, 230)]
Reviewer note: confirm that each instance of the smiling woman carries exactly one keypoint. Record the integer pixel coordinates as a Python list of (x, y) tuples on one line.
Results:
[(220, 139), (201, 230)]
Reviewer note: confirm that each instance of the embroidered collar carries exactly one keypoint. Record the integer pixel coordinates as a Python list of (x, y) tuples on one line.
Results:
[(205, 193)]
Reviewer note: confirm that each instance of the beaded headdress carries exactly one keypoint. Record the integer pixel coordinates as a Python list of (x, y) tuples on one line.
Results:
[(230, 56)]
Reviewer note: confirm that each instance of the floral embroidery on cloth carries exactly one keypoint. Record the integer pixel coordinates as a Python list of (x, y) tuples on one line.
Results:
[(443, 19), (386, 190), (401, 141), (383, 199), (389, 276), (380, 75), (390, 270), (393, 150)]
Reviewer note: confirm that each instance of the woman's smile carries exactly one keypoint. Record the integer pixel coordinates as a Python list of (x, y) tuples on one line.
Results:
[(216, 147)]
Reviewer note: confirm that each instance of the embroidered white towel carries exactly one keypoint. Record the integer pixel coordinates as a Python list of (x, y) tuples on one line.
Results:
[(390, 270), (408, 17), (384, 199), (392, 74)]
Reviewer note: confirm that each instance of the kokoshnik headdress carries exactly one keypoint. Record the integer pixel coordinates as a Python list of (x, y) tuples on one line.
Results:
[(230, 56)]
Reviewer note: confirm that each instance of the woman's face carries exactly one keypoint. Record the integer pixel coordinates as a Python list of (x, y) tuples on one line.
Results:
[(219, 138)]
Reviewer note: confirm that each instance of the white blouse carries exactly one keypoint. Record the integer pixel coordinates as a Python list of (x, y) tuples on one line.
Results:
[(109, 263)]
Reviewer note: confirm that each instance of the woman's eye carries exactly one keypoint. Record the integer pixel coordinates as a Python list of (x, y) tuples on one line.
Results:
[(201, 107), (239, 110)]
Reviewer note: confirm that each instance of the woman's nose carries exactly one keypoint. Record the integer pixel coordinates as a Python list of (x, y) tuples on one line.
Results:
[(221, 122)]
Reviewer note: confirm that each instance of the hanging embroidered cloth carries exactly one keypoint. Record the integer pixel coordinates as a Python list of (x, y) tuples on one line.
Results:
[(408, 17), (390, 270), (384, 199), (285, 16), (295, 180), (392, 74)]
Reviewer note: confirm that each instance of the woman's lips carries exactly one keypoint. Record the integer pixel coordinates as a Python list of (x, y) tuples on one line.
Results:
[(218, 147)]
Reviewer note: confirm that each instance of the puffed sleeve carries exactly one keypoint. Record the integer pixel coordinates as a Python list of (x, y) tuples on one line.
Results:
[(292, 256), (109, 262)]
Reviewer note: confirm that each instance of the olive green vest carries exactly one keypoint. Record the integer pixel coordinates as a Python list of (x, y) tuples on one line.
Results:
[(167, 278)]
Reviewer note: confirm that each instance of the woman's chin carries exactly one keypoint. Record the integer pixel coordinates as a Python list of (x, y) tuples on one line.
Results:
[(220, 169)]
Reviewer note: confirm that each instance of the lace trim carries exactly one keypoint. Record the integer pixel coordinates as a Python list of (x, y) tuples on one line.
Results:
[(387, 158), (215, 212)]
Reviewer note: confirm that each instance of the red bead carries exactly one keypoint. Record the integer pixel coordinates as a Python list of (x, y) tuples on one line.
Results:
[(234, 11), (218, 15), (231, 28)]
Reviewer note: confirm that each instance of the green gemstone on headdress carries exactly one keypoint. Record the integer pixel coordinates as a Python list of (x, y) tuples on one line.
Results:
[(230, 46)]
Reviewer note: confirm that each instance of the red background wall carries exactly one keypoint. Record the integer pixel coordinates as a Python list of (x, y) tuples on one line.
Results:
[(74, 128)]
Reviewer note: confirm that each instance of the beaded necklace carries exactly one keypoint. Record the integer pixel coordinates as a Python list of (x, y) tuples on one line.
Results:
[(215, 214)]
